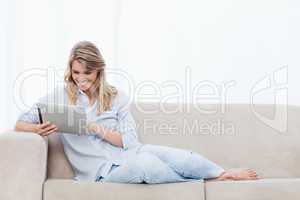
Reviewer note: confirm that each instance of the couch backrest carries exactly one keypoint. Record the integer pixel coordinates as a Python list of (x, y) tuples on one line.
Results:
[(263, 137)]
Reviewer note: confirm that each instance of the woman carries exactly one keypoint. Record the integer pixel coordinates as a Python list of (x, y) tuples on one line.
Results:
[(112, 152)]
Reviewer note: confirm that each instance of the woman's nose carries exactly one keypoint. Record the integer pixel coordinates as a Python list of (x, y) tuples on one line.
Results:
[(81, 77)]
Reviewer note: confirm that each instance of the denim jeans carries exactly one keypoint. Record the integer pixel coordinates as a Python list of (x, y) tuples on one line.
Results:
[(161, 164)]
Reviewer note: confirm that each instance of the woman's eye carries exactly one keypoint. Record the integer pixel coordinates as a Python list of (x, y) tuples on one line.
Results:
[(75, 72), (87, 73)]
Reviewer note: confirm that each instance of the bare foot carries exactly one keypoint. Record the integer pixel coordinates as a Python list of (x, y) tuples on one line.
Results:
[(238, 174)]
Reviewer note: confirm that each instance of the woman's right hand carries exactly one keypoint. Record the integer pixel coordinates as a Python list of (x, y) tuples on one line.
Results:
[(45, 129)]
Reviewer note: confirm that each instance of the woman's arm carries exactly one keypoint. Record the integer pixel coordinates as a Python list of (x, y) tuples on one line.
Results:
[(124, 134), (25, 126), (42, 129), (111, 136)]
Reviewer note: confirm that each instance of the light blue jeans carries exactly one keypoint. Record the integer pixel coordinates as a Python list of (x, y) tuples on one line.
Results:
[(161, 164)]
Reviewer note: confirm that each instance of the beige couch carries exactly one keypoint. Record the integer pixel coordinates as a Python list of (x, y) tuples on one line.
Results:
[(35, 168)]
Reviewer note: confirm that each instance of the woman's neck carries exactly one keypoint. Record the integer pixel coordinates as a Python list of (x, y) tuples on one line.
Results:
[(91, 98)]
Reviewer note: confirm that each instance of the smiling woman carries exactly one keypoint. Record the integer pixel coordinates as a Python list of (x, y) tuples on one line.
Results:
[(86, 72), (112, 152)]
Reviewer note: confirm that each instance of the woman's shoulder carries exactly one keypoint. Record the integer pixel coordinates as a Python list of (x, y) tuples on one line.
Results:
[(121, 99)]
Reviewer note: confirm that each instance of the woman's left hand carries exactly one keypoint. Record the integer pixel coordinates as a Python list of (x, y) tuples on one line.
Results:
[(95, 128), (112, 137)]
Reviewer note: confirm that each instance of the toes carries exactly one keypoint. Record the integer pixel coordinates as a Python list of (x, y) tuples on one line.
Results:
[(242, 174), (251, 170), (253, 173)]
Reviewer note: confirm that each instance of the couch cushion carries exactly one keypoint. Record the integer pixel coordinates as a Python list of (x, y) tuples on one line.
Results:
[(236, 135), (264, 189), (55, 189)]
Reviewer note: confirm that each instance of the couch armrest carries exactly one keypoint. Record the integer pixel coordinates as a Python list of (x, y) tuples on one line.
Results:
[(23, 165)]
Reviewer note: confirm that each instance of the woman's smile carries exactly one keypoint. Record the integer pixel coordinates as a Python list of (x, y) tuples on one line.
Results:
[(83, 77), (82, 83)]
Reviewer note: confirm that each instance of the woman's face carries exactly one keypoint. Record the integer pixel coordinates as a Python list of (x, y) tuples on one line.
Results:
[(83, 77)]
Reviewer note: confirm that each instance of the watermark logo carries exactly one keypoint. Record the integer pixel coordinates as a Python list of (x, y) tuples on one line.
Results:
[(203, 97), (275, 84)]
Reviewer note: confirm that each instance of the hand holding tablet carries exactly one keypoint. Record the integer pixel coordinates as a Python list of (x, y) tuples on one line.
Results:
[(67, 118), (45, 128)]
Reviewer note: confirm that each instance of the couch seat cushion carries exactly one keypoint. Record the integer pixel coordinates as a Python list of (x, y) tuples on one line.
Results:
[(264, 189), (64, 189)]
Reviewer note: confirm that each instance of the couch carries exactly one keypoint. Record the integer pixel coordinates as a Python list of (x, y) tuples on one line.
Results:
[(263, 137)]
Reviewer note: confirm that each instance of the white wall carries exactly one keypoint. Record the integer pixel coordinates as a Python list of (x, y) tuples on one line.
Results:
[(167, 45), (3, 61), (219, 40), (38, 35)]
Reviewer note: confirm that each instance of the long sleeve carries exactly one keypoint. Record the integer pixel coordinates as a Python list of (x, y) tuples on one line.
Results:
[(126, 123), (30, 116)]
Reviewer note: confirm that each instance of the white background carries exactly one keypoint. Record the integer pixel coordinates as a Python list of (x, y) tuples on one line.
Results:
[(184, 43)]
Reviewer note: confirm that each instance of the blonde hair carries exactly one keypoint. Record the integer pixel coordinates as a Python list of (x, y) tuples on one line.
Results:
[(88, 54)]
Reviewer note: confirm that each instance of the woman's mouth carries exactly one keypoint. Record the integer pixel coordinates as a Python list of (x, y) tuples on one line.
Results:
[(82, 83)]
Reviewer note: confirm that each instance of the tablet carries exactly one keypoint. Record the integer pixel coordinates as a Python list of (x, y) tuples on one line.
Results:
[(68, 118)]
